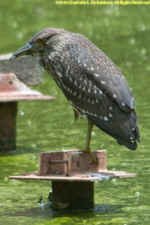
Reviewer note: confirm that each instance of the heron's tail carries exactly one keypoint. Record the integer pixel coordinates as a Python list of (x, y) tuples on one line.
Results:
[(123, 128)]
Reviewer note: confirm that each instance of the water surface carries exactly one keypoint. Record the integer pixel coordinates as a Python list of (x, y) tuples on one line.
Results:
[(122, 32)]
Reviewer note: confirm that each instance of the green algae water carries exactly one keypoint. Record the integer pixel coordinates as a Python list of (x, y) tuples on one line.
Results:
[(123, 33)]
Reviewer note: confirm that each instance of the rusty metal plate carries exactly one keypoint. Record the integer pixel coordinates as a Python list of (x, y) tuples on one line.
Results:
[(72, 165), (11, 89), (83, 177), (70, 161)]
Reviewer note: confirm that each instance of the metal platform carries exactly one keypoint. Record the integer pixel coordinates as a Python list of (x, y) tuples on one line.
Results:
[(11, 90), (73, 175), (72, 165)]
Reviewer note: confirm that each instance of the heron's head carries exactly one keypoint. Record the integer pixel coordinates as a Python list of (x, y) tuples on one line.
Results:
[(40, 42)]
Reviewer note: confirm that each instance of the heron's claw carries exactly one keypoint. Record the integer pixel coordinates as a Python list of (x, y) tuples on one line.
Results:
[(88, 151)]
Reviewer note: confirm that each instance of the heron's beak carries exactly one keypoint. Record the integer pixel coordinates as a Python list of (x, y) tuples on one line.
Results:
[(25, 50)]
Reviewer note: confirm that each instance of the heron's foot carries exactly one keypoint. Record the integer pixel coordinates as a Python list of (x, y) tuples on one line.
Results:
[(88, 151)]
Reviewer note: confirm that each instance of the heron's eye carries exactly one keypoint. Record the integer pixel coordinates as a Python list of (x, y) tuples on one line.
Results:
[(41, 40)]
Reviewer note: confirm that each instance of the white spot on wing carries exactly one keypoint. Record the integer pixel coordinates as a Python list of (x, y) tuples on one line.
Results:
[(96, 74), (110, 115), (103, 82), (105, 118), (59, 74), (74, 93), (75, 83), (114, 96), (79, 96), (89, 90), (70, 78)]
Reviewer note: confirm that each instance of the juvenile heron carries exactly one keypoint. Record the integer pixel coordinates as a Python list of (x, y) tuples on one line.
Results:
[(91, 82)]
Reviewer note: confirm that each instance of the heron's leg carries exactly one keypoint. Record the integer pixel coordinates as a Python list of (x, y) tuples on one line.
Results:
[(88, 140), (76, 115)]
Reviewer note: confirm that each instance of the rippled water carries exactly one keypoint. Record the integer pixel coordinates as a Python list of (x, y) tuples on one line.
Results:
[(123, 34)]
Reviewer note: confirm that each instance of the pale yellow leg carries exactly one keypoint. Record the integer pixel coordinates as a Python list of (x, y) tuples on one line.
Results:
[(88, 140)]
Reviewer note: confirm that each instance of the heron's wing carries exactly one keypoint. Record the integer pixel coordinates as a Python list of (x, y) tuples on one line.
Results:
[(96, 67), (90, 100), (91, 97), (97, 89)]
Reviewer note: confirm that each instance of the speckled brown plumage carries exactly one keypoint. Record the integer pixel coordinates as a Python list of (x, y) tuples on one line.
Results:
[(90, 81)]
